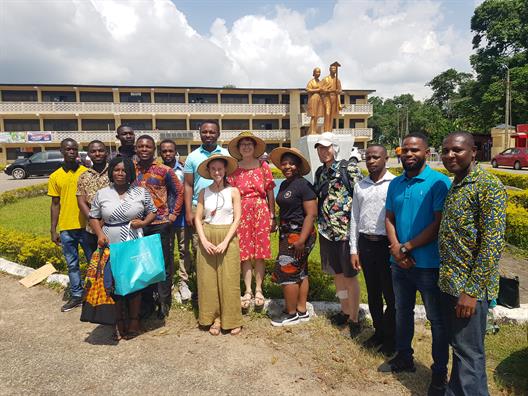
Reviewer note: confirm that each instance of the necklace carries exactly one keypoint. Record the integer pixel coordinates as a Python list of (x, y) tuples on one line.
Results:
[(220, 201)]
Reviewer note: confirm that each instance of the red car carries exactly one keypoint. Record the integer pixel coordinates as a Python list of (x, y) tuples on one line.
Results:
[(515, 156)]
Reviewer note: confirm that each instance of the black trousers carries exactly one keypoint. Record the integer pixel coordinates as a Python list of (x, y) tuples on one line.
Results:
[(163, 289), (375, 260)]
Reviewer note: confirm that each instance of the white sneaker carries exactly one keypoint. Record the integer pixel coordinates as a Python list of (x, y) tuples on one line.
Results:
[(286, 319), (184, 291)]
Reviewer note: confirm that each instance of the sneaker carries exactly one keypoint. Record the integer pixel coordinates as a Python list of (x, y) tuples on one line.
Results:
[(339, 319), (399, 364), (373, 342), (185, 292), (286, 319), (438, 384), (355, 328), (303, 316), (71, 304)]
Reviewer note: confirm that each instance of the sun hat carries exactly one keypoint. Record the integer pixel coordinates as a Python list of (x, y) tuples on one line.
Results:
[(231, 165), (277, 153), (325, 139), (260, 146)]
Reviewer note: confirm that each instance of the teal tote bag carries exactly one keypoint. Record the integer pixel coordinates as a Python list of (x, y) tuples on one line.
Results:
[(136, 264)]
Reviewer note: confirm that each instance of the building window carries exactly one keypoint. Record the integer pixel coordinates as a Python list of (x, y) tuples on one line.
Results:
[(285, 123), (19, 96), (195, 124), (58, 96), (271, 146), (104, 97), (139, 125), (98, 125), (355, 121), (181, 149), (341, 123), (265, 124), (21, 125), (234, 98), (285, 99), (174, 125), (265, 99), (355, 98), (203, 98), (134, 97), (235, 124), (304, 99), (169, 97), (60, 125)]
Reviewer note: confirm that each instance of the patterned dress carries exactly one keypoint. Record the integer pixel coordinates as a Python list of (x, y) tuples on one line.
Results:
[(255, 224)]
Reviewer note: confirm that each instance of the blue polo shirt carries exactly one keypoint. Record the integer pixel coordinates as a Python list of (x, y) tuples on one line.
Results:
[(192, 163), (413, 202)]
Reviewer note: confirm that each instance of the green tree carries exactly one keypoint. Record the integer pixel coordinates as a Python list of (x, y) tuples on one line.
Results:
[(445, 87)]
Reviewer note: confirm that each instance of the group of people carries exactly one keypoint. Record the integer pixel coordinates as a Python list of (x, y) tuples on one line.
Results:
[(415, 232)]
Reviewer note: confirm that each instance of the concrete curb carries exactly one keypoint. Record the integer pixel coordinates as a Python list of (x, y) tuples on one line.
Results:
[(501, 314)]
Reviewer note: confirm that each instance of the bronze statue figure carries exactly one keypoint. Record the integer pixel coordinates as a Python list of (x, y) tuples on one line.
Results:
[(315, 107), (331, 90)]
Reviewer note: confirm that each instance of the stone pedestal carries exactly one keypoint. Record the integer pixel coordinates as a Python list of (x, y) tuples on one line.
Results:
[(306, 145)]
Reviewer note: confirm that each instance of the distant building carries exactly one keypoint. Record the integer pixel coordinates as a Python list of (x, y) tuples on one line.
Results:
[(37, 117)]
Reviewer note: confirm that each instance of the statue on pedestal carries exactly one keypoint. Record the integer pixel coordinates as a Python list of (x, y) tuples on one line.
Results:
[(331, 91), (315, 106)]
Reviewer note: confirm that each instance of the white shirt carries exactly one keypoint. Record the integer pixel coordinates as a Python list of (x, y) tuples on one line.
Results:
[(368, 208), (218, 207)]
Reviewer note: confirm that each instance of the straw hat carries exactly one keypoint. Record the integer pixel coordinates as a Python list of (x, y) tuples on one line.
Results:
[(276, 155), (231, 165), (260, 146)]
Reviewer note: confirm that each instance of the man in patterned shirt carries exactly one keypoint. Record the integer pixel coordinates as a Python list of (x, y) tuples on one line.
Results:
[(471, 240), (166, 191), (92, 181), (334, 205)]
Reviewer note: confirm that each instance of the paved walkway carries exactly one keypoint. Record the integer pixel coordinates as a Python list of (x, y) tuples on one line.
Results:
[(8, 183)]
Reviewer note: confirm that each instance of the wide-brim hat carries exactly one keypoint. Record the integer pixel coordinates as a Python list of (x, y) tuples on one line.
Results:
[(260, 146), (232, 164), (277, 153)]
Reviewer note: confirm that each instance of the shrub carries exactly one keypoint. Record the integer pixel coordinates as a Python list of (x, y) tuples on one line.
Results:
[(517, 225), (512, 179), (276, 172), (9, 197), (519, 198)]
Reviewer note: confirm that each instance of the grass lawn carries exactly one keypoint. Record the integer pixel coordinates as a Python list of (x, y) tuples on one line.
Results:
[(31, 215)]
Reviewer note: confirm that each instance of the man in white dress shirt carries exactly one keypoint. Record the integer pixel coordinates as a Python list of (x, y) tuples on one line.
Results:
[(369, 247)]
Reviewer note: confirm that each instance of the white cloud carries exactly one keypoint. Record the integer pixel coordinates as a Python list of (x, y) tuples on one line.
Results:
[(391, 46)]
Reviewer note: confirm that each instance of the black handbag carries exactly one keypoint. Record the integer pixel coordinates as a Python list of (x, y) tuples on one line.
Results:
[(509, 292)]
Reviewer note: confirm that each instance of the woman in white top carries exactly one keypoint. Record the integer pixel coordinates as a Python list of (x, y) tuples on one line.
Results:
[(218, 256)]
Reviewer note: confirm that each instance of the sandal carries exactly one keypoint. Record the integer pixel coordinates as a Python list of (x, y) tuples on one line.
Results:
[(133, 333), (259, 300), (215, 328), (235, 331), (245, 300)]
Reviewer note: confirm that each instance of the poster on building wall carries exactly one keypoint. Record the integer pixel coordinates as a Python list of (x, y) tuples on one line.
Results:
[(38, 137), (12, 137)]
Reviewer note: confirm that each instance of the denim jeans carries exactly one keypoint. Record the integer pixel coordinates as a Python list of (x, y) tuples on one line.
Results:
[(70, 241), (466, 336), (425, 280)]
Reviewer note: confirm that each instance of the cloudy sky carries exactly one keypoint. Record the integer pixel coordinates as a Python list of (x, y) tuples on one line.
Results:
[(391, 46)]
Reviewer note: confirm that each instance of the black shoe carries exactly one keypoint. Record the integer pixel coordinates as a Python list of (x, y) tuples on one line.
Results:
[(339, 319), (373, 342), (303, 316), (398, 364), (286, 319), (354, 328), (163, 311), (71, 304), (438, 385)]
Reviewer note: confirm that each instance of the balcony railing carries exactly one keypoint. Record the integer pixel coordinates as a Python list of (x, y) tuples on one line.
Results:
[(356, 132), (128, 108)]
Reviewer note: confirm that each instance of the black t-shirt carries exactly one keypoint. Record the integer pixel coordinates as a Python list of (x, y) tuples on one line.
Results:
[(291, 197)]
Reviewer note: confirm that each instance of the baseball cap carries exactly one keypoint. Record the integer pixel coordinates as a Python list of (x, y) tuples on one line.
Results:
[(325, 139)]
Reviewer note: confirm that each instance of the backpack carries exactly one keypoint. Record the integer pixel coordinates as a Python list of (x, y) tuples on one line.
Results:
[(343, 175)]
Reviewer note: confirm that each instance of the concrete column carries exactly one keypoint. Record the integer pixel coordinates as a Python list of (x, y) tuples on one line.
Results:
[(115, 92), (79, 124), (2, 126), (295, 117), (39, 95), (3, 154)]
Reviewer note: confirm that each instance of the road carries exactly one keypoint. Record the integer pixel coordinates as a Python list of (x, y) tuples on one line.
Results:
[(8, 183)]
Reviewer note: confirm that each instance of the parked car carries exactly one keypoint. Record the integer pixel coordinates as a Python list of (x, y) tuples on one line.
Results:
[(43, 163), (514, 156), (355, 155)]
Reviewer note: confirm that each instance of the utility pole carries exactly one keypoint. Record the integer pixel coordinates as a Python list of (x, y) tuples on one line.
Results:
[(507, 106), (406, 120)]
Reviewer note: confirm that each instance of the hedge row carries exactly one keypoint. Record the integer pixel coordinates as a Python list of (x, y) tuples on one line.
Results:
[(13, 196), (517, 226), (519, 198)]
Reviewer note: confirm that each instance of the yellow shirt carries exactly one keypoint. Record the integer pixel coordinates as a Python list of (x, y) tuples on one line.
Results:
[(64, 185)]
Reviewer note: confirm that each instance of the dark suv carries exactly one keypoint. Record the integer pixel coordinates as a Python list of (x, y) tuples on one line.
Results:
[(43, 163)]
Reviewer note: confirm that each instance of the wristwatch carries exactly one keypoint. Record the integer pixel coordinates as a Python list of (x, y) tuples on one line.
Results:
[(403, 249)]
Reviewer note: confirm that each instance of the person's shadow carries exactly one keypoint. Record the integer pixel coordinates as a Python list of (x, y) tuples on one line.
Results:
[(104, 334), (416, 382), (511, 373)]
